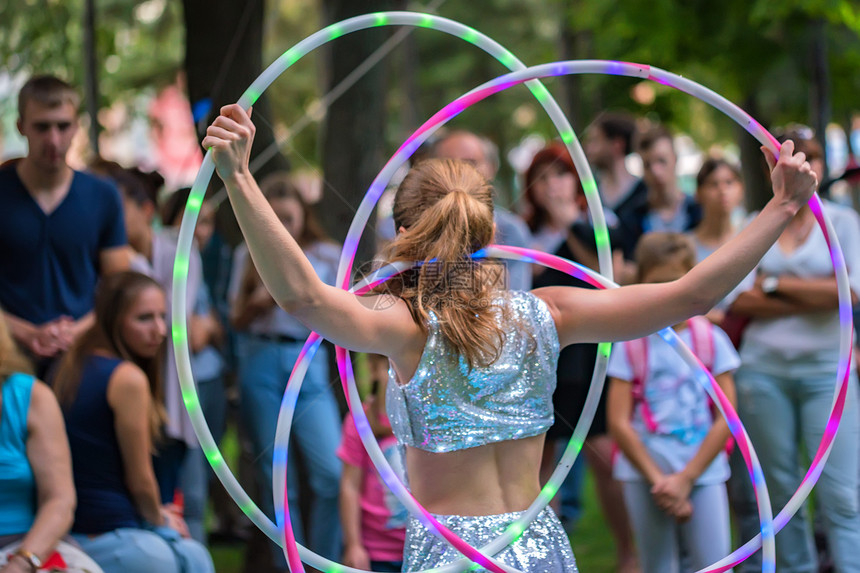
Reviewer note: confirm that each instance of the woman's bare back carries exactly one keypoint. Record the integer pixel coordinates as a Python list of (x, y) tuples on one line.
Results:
[(499, 477)]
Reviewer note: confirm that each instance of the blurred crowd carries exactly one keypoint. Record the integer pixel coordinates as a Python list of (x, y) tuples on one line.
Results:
[(100, 468)]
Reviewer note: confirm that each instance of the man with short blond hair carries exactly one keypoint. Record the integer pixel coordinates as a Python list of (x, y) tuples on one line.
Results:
[(60, 229)]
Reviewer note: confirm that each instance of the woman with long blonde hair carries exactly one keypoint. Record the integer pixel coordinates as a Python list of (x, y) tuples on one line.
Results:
[(474, 366)]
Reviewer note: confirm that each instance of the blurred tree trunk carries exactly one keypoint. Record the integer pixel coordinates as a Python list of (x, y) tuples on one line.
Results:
[(753, 168), (579, 103), (353, 139), (223, 55), (820, 111)]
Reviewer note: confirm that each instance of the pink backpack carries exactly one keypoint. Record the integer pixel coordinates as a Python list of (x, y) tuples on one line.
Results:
[(702, 337)]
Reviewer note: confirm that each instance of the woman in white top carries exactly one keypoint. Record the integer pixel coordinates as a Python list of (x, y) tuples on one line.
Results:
[(720, 192), (785, 385)]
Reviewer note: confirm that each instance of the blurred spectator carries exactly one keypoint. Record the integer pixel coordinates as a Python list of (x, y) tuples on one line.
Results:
[(553, 191), (155, 255), (667, 207), (510, 228), (672, 462), (110, 387), (720, 192), (608, 142), (785, 385), (37, 494), (574, 373), (269, 349), (553, 196), (373, 520), (149, 183), (205, 334), (60, 229)]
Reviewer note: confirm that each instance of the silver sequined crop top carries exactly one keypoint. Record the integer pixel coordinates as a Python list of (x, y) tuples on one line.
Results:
[(444, 407)]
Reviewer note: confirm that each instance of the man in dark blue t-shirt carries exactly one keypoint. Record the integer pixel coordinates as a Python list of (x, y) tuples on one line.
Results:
[(60, 229), (667, 207), (608, 143)]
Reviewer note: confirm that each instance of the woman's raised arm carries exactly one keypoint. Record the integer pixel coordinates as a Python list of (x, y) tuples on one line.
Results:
[(634, 311), (366, 324)]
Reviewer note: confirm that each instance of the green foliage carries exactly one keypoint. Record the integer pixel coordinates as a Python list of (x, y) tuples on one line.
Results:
[(138, 44), (747, 51), (752, 52), (39, 34), (447, 67), (293, 95)]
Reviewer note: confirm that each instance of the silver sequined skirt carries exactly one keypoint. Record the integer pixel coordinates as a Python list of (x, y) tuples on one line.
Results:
[(542, 548)]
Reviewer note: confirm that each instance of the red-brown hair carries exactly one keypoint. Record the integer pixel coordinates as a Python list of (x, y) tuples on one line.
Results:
[(553, 154)]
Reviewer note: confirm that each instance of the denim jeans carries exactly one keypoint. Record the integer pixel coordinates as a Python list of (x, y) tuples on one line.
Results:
[(780, 413), (264, 367), (161, 549)]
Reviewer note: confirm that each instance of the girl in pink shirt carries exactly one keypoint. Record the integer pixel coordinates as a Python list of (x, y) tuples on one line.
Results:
[(373, 520)]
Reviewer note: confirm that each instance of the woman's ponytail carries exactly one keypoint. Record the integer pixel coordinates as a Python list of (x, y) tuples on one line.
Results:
[(445, 208)]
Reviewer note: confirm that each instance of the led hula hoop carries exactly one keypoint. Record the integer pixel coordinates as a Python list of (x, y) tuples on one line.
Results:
[(182, 356), (287, 59)]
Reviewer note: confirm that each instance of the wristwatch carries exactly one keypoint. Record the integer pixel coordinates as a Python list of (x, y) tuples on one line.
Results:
[(29, 557), (769, 285)]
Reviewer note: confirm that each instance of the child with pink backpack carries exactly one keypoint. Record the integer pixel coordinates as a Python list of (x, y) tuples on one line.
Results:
[(671, 441)]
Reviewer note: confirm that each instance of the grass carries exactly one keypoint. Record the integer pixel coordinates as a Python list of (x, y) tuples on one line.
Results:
[(592, 543), (227, 558)]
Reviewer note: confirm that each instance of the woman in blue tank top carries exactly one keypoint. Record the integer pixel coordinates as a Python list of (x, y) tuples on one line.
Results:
[(110, 388), (473, 366), (37, 497)]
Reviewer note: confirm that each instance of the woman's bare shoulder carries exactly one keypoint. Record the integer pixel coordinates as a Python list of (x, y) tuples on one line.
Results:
[(44, 412), (128, 385), (128, 375)]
